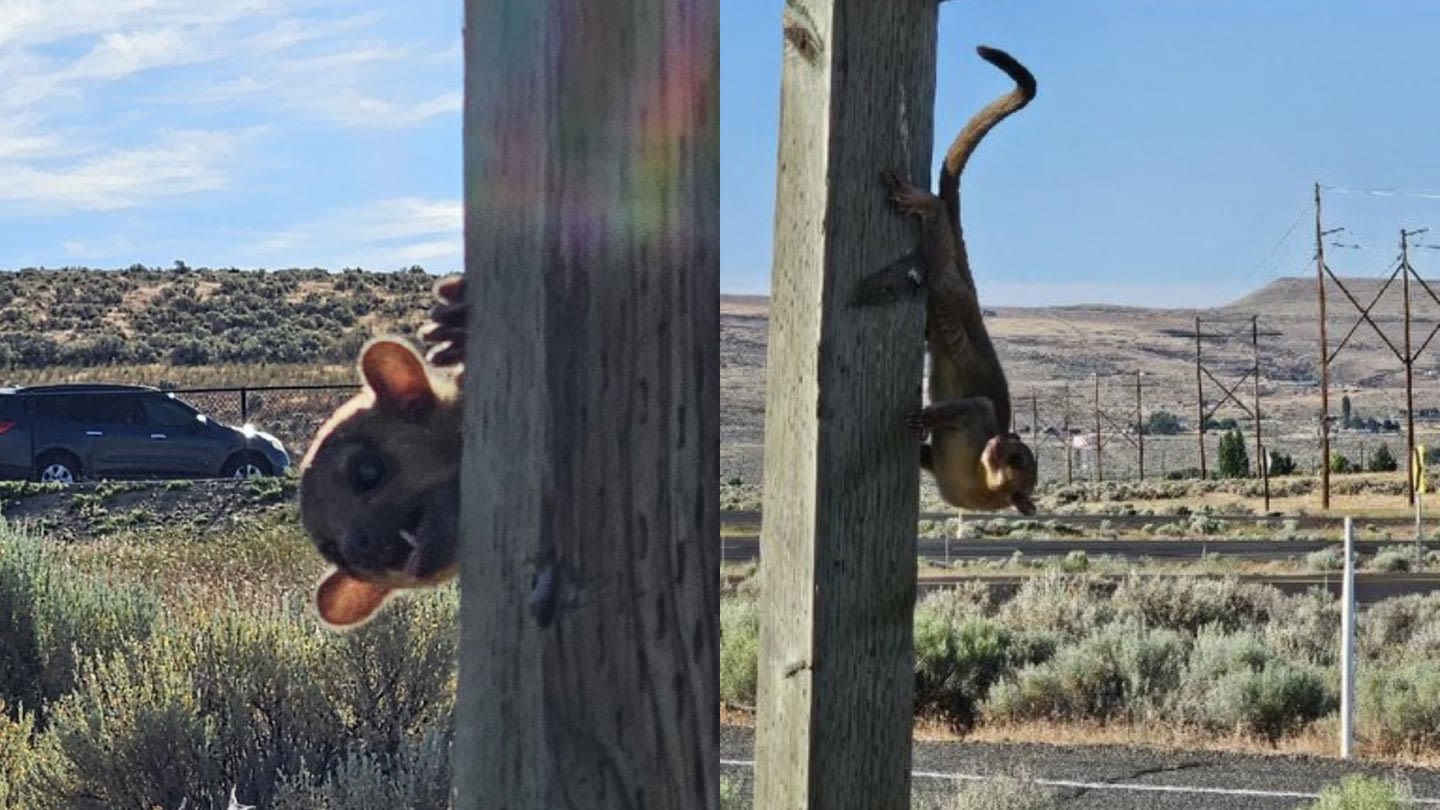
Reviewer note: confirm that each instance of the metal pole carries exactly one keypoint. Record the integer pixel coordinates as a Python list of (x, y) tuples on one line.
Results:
[(1324, 361), (1347, 644)]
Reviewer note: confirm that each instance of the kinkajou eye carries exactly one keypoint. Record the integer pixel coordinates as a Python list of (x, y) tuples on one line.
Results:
[(367, 470)]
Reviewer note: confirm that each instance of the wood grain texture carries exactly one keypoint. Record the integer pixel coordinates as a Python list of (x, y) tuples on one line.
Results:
[(589, 565), (841, 481)]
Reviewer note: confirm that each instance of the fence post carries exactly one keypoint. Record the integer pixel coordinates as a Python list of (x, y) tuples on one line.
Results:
[(841, 473), (589, 588), (244, 405)]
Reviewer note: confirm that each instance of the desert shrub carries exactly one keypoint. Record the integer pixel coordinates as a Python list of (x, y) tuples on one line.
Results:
[(1339, 463), (1330, 558), (1274, 701), (1391, 627), (936, 643), (224, 699), (731, 795), (1032, 647), (1214, 655), (1382, 460), (1075, 562), (1281, 463), (1123, 671), (956, 664), (24, 760), (415, 775), (1189, 603), (1401, 707), (965, 600), (1393, 558), (1002, 793), (132, 733), (739, 650), (1161, 423), (50, 615), (1361, 792), (1310, 630), (1061, 604)]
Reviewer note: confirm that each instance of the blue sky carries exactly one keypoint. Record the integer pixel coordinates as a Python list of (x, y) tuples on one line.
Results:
[(1169, 156), (252, 133)]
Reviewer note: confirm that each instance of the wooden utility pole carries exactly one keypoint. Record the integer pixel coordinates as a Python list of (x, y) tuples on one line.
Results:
[(1035, 428), (589, 508), (1199, 400), (1405, 272), (1139, 428), (1069, 441), (1099, 472), (837, 593), (1324, 359), (1261, 462)]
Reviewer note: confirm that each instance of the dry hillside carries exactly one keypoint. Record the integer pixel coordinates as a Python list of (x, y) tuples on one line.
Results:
[(1047, 349)]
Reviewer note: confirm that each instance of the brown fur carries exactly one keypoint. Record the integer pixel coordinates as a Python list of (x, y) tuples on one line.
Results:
[(976, 461), (379, 486)]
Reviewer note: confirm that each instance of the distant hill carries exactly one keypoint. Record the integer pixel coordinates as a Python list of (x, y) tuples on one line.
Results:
[(186, 316), (1054, 354)]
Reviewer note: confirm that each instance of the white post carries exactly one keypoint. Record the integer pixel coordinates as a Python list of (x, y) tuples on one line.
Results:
[(1347, 644), (1419, 534), (959, 533)]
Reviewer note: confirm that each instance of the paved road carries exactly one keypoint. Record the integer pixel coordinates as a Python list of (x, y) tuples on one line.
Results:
[(747, 547), (751, 519), (1370, 587), (1117, 777)]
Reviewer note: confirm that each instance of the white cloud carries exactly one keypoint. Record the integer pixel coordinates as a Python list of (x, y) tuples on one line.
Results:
[(176, 163), (381, 235), (77, 134)]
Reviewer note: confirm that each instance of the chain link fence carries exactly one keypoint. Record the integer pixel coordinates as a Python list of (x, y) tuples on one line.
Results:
[(292, 413)]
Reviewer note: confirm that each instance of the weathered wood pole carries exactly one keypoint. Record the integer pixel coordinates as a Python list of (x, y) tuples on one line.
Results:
[(589, 562), (841, 475)]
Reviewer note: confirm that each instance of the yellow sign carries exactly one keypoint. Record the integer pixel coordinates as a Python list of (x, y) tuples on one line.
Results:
[(1417, 469)]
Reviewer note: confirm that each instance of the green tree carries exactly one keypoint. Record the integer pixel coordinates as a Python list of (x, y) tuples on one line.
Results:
[(1162, 423), (1345, 412), (1383, 461), (1281, 463), (1234, 461), (1341, 464)]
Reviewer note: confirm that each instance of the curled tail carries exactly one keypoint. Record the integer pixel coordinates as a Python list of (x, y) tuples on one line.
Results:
[(981, 123)]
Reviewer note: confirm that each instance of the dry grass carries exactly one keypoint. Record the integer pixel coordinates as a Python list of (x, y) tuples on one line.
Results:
[(1318, 740), (263, 560)]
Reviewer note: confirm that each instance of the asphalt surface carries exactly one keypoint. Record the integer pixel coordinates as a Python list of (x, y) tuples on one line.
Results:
[(1115, 777), (743, 548), (1370, 587)]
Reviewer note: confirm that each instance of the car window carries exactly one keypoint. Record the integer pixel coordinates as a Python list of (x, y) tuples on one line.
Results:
[(108, 409), (51, 405), (167, 413)]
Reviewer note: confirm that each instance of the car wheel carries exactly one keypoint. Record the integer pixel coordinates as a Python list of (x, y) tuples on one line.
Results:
[(58, 468), (246, 466)]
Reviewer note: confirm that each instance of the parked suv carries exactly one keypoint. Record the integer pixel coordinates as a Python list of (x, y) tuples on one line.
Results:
[(69, 432)]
